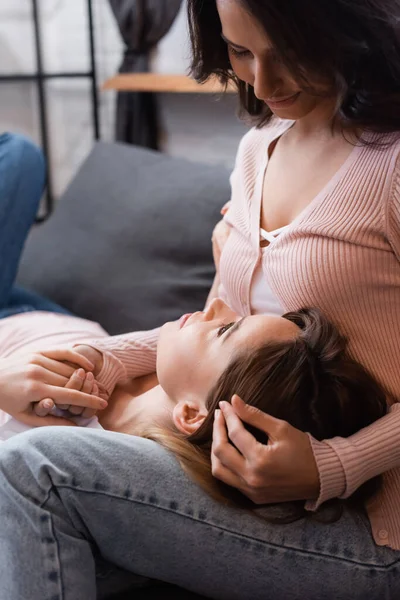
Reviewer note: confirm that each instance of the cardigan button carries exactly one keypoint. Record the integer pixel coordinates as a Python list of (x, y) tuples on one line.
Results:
[(382, 534)]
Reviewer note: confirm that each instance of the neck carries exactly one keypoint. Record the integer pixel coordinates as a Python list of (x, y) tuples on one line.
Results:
[(140, 401), (319, 123)]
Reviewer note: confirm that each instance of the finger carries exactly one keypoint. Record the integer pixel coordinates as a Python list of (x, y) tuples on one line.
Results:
[(35, 421), (88, 383), (223, 474), (239, 436), (43, 408), (222, 449), (67, 354), (43, 375), (76, 381), (225, 208), (76, 398), (257, 418), (76, 410), (55, 366), (87, 387), (89, 413)]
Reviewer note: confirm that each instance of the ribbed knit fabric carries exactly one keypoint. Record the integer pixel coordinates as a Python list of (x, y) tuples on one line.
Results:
[(342, 255)]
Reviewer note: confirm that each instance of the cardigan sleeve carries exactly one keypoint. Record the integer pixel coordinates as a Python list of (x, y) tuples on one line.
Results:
[(345, 464), (126, 356)]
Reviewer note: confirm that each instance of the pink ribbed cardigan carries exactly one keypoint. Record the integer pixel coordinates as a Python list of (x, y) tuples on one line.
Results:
[(341, 254)]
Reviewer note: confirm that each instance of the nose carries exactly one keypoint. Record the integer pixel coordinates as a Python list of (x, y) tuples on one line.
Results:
[(217, 309), (266, 80)]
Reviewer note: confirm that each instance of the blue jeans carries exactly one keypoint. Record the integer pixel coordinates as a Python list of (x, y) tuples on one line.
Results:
[(22, 177), (69, 496)]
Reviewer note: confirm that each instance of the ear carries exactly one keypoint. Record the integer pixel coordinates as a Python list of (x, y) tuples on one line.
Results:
[(188, 416)]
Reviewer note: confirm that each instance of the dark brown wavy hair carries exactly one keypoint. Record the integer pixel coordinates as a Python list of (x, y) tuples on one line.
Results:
[(356, 43), (309, 381)]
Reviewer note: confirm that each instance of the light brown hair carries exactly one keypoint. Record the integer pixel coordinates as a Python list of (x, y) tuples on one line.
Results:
[(309, 381)]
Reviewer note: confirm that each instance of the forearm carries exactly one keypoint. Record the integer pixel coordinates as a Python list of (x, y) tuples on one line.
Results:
[(344, 464)]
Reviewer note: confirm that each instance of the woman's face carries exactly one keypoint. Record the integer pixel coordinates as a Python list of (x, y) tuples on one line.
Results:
[(255, 62), (193, 352)]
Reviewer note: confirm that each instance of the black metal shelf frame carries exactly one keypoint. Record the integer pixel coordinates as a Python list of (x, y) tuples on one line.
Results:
[(40, 77)]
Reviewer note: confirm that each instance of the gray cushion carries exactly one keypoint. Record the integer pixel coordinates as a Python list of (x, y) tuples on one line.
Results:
[(129, 244)]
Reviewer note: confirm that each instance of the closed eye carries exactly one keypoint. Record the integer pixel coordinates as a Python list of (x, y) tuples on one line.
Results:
[(238, 53), (224, 328)]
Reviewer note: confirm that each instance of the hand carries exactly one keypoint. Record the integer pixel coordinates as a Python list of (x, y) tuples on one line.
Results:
[(80, 381), (283, 470), (96, 359), (27, 379), (91, 354)]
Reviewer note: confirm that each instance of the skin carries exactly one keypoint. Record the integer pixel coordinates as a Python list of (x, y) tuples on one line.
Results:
[(26, 379), (254, 61), (190, 359)]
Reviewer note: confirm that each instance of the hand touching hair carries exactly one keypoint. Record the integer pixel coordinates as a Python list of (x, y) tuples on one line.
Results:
[(309, 381)]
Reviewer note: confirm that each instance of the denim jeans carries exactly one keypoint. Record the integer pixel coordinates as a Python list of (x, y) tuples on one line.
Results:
[(67, 497), (22, 177), (85, 511)]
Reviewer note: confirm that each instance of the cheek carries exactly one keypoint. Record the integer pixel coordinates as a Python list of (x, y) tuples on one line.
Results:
[(242, 69), (174, 361)]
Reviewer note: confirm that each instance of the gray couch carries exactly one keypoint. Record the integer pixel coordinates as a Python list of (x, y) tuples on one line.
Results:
[(129, 246)]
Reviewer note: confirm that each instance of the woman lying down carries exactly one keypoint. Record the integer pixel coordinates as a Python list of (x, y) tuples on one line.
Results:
[(294, 367)]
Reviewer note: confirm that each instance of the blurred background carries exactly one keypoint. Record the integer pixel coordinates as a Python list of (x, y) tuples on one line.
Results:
[(200, 127)]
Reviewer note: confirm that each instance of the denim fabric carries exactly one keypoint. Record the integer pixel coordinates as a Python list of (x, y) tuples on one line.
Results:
[(65, 494), (22, 177)]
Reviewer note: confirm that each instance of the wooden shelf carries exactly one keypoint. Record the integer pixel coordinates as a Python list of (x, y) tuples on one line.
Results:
[(156, 82)]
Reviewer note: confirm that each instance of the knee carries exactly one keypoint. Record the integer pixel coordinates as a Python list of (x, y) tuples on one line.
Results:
[(19, 151), (22, 171)]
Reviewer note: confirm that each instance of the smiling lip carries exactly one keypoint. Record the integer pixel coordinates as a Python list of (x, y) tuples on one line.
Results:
[(183, 320), (283, 102)]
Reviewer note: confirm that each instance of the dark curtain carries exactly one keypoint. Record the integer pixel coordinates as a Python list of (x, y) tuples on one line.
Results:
[(142, 24)]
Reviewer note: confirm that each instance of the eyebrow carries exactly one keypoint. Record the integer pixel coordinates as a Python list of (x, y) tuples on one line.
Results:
[(232, 329), (232, 43)]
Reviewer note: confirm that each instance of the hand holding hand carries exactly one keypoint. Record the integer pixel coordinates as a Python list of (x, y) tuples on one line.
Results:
[(80, 381), (27, 379), (282, 470)]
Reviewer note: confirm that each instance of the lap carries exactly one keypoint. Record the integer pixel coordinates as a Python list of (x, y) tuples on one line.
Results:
[(132, 500)]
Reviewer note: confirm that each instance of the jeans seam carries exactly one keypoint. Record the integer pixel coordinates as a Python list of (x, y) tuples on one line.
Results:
[(57, 559), (224, 529)]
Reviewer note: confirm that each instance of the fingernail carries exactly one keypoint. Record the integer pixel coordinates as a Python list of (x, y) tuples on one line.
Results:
[(217, 413), (48, 404), (89, 376), (103, 403), (222, 405), (80, 373)]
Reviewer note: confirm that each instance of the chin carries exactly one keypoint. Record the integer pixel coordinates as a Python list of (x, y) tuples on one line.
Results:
[(300, 109)]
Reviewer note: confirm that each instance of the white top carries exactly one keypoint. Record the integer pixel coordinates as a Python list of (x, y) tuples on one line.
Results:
[(263, 299), (10, 426)]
